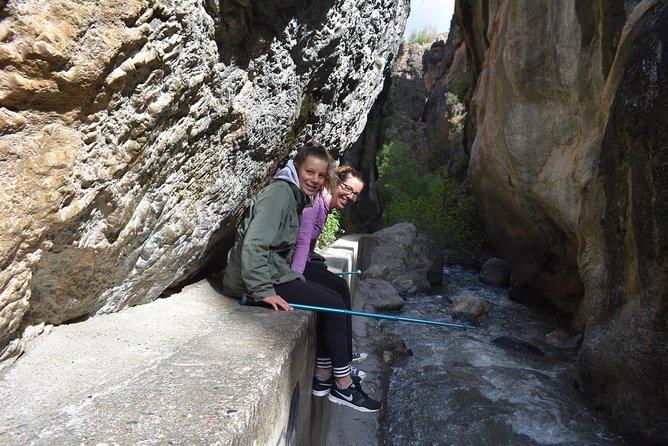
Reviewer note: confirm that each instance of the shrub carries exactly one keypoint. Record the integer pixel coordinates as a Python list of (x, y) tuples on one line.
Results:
[(425, 35), (428, 200), (456, 113), (460, 87), (331, 230)]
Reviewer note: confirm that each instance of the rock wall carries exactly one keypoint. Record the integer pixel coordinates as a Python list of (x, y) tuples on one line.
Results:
[(443, 65), (447, 83), (413, 111), (567, 132), (395, 116), (133, 133)]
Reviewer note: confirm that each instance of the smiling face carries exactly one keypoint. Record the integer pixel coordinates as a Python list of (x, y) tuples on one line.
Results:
[(346, 192), (312, 173)]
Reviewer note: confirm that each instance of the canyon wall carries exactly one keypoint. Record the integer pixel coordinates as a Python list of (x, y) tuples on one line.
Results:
[(132, 134), (414, 110), (569, 150)]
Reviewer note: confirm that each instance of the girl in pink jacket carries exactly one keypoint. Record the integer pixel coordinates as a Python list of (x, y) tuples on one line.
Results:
[(306, 261)]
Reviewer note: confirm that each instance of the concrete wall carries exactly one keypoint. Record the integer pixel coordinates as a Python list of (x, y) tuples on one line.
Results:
[(192, 368)]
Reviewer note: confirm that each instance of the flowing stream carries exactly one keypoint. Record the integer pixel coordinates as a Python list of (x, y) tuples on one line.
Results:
[(459, 388)]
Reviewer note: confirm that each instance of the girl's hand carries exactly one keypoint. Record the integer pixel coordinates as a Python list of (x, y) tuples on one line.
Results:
[(277, 302)]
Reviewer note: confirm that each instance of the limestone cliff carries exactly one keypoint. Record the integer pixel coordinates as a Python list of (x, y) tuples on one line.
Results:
[(133, 133), (567, 133), (447, 83)]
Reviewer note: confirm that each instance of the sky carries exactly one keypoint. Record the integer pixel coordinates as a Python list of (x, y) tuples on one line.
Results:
[(430, 13)]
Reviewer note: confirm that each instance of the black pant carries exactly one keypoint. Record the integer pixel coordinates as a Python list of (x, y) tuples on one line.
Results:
[(331, 327), (316, 271)]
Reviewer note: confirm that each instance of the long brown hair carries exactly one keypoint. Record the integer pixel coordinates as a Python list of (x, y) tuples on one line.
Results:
[(343, 172)]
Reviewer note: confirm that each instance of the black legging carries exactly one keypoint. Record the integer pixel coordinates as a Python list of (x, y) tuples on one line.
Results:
[(331, 327), (316, 271)]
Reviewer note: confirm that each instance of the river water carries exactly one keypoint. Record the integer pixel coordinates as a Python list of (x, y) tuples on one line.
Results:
[(459, 388)]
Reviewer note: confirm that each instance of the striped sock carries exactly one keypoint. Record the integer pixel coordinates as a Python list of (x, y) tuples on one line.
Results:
[(340, 372), (323, 363)]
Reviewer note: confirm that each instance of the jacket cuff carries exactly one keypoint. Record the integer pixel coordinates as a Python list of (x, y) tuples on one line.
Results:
[(264, 293)]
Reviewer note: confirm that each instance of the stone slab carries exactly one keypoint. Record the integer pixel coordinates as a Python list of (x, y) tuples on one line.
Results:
[(194, 368)]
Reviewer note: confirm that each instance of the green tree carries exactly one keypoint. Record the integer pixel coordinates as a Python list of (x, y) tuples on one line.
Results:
[(428, 200), (425, 35)]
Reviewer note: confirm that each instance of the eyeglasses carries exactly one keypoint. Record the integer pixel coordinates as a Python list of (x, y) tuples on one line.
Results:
[(349, 190)]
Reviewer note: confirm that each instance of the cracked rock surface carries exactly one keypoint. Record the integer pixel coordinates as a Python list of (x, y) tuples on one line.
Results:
[(132, 134)]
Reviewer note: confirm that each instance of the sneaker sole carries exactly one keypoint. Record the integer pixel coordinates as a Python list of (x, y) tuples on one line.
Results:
[(351, 405)]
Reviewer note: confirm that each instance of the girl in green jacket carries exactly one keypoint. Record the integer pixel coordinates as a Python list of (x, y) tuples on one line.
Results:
[(259, 265)]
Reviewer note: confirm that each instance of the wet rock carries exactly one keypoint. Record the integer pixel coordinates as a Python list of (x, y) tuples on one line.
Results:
[(495, 272), (569, 378), (563, 339), (517, 345), (469, 308), (379, 294), (402, 249), (412, 282), (394, 348)]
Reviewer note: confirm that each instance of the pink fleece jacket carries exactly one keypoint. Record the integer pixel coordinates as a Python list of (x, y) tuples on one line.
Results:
[(313, 220)]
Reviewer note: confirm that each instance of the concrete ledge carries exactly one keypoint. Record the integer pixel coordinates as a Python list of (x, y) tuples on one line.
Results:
[(193, 368), (349, 253)]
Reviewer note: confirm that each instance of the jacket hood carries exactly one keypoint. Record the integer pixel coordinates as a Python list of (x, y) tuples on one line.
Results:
[(288, 173)]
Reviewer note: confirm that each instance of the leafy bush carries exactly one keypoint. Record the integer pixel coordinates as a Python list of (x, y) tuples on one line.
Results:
[(460, 87), (331, 230), (456, 112), (428, 200)]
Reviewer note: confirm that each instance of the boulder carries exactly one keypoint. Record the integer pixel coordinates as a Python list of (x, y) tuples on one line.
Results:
[(495, 272), (378, 294), (563, 339), (133, 134), (469, 308), (412, 282), (402, 249), (394, 349), (509, 343)]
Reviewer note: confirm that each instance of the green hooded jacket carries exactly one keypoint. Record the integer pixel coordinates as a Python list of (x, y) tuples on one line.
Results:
[(264, 243)]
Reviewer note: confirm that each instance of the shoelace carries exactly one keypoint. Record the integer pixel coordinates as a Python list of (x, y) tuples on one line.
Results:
[(356, 388)]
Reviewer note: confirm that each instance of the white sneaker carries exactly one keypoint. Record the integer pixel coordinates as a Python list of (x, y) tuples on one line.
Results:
[(359, 357)]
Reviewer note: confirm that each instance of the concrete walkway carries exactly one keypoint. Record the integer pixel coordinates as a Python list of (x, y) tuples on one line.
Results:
[(194, 368)]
